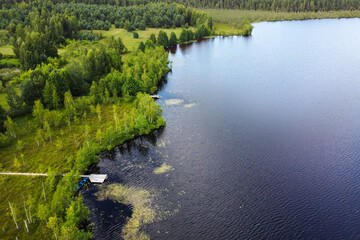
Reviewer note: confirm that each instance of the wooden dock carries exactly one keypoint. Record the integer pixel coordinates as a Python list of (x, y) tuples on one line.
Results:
[(94, 178), (155, 96)]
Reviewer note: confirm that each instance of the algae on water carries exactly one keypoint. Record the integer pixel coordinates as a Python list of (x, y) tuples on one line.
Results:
[(174, 101), (163, 169), (140, 199), (189, 105)]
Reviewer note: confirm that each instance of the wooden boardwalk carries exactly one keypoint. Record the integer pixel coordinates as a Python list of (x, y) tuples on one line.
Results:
[(155, 96), (94, 178)]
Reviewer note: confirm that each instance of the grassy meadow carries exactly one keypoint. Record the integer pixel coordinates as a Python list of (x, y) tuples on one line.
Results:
[(55, 156), (7, 50), (233, 17)]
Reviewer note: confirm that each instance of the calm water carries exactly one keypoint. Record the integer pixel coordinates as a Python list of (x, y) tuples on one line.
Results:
[(265, 145)]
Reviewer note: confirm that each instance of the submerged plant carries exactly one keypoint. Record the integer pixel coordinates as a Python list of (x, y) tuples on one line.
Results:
[(163, 169), (140, 199)]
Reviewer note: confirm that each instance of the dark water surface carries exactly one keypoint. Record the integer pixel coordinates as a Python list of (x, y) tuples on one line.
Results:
[(265, 145)]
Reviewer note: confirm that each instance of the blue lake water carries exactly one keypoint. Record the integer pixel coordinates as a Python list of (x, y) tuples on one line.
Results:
[(263, 134)]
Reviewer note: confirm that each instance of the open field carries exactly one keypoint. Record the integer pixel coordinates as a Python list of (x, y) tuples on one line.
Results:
[(233, 17), (3, 99), (7, 49), (132, 43), (75, 48)]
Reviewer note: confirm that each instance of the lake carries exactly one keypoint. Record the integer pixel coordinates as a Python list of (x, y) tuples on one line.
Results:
[(263, 137)]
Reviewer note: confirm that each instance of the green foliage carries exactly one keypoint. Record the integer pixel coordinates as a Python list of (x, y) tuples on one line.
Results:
[(59, 79), (35, 49), (210, 23), (163, 38), (85, 157), (46, 86), (39, 112), (4, 140), (10, 63), (203, 31), (173, 39), (2, 118), (153, 38), (11, 127), (14, 101), (141, 47), (135, 35), (85, 35)]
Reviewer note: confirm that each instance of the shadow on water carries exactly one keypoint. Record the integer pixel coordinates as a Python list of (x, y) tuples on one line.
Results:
[(183, 47)]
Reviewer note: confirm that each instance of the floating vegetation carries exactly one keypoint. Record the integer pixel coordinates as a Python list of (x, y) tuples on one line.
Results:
[(139, 199), (163, 169), (174, 101), (161, 144), (189, 105)]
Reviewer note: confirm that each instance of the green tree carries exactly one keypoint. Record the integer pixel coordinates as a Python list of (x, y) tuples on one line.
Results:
[(2, 118), (11, 127), (48, 131), (39, 112), (60, 80), (183, 36), (162, 38), (98, 111), (116, 117), (55, 99), (99, 135), (14, 101), (127, 26), (48, 95), (141, 47), (210, 23), (69, 107), (173, 39), (153, 38), (17, 163), (76, 213), (94, 92)]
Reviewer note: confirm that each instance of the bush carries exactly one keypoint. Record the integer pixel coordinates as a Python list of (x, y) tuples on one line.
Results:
[(142, 26), (85, 35), (10, 63), (135, 35), (4, 140)]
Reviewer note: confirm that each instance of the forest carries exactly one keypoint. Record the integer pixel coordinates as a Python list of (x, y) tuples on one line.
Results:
[(274, 5)]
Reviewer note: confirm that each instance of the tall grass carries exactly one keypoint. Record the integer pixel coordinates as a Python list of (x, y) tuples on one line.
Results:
[(233, 17)]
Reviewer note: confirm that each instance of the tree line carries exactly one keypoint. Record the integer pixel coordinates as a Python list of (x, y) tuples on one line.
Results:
[(273, 5), (36, 28), (66, 18)]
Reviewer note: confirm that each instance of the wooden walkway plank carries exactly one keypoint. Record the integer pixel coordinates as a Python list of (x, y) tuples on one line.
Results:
[(94, 178)]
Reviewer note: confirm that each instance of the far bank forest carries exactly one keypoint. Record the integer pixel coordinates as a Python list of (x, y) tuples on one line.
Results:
[(75, 80)]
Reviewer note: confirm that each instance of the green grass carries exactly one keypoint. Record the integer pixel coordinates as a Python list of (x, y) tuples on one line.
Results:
[(53, 155), (233, 17), (132, 43), (77, 48), (3, 99), (10, 63), (225, 29), (7, 49)]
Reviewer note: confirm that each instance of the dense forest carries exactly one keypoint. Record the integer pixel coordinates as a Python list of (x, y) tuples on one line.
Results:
[(69, 17), (275, 5)]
